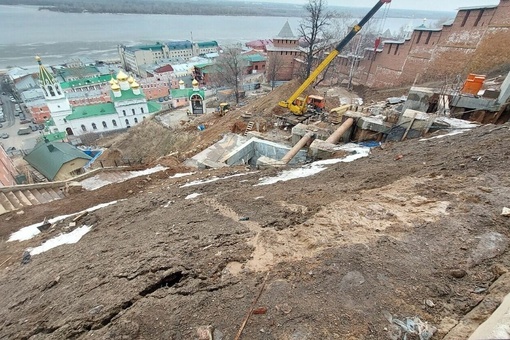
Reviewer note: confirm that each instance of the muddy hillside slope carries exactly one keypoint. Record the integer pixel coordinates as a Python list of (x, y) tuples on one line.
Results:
[(413, 230)]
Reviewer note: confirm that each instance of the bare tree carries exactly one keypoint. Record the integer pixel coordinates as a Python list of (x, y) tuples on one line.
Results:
[(229, 70), (314, 30), (274, 64)]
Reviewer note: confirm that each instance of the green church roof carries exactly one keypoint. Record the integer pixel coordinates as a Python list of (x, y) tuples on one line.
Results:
[(86, 81), (153, 107), (185, 93), (51, 137), (92, 111), (254, 58), (48, 158), (127, 95)]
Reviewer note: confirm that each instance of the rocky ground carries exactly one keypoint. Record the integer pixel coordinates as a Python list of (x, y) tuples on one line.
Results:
[(413, 230)]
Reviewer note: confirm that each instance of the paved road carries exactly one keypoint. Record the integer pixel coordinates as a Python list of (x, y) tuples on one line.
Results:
[(11, 127)]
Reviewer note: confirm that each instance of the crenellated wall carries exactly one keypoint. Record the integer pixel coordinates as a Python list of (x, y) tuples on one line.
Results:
[(476, 41)]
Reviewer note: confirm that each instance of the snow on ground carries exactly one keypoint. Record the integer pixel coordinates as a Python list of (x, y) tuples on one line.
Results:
[(213, 179), (61, 239), (96, 182), (457, 126), (182, 174), (192, 196), (32, 230), (316, 167)]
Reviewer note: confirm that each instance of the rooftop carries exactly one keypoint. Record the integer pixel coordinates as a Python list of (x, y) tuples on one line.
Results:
[(48, 158), (92, 111), (185, 93), (286, 32), (127, 95), (86, 81)]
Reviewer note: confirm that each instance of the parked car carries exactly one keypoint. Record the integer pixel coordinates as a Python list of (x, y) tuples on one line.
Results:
[(41, 126), (16, 113), (4, 135), (25, 121), (34, 127), (22, 116)]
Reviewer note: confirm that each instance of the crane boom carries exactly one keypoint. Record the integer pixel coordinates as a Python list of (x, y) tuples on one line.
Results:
[(298, 109)]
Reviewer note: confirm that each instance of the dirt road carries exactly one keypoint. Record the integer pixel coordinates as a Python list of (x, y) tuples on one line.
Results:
[(413, 230)]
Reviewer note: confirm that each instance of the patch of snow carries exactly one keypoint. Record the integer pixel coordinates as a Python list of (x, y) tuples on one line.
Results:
[(61, 239), (213, 179), (32, 230), (316, 167), (182, 174), (457, 126), (96, 182), (191, 196)]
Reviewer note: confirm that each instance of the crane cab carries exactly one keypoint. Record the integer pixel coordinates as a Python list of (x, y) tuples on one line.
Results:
[(310, 104)]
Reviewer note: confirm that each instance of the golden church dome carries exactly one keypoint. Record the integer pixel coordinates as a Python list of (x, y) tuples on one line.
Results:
[(121, 76)]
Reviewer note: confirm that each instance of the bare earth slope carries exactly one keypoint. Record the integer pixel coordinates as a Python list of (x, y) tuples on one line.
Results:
[(332, 255)]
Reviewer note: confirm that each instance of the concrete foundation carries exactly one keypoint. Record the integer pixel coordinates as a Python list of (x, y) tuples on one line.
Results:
[(320, 149), (418, 99), (300, 130), (256, 152), (212, 157)]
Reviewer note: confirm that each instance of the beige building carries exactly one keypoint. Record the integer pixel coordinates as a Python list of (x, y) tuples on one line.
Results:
[(57, 161), (132, 57)]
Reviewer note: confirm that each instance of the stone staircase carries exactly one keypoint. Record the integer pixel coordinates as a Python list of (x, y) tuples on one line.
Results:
[(249, 127), (17, 199)]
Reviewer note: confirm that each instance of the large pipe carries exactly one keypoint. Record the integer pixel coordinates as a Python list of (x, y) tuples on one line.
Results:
[(295, 149), (335, 136)]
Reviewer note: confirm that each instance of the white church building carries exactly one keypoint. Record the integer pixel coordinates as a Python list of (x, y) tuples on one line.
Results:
[(128, 106)]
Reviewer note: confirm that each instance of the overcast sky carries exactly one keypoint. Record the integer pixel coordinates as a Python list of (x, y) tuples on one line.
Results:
[(440, 5)]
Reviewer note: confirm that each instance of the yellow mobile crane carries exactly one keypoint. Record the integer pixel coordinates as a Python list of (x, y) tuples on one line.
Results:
[(299, 106)]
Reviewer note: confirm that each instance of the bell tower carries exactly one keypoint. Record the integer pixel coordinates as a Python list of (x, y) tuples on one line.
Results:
[(56, 99)]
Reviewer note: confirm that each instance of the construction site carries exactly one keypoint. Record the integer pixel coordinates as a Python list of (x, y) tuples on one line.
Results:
[(307, 212)]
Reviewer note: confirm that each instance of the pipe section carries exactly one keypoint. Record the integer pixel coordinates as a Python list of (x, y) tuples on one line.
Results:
[(295, 149), (335, 136)]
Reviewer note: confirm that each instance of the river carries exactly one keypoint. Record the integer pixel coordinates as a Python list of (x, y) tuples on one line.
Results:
[(25, 32)]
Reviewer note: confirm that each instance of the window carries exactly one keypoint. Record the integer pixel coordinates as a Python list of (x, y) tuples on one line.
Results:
[(133, 110), (389, 48), (104, 125), (396, 50), (50, 89), (94, 126), (114, 122), (141, 110), (124, 112), (136, 120), (127, 121), (83, 128)]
